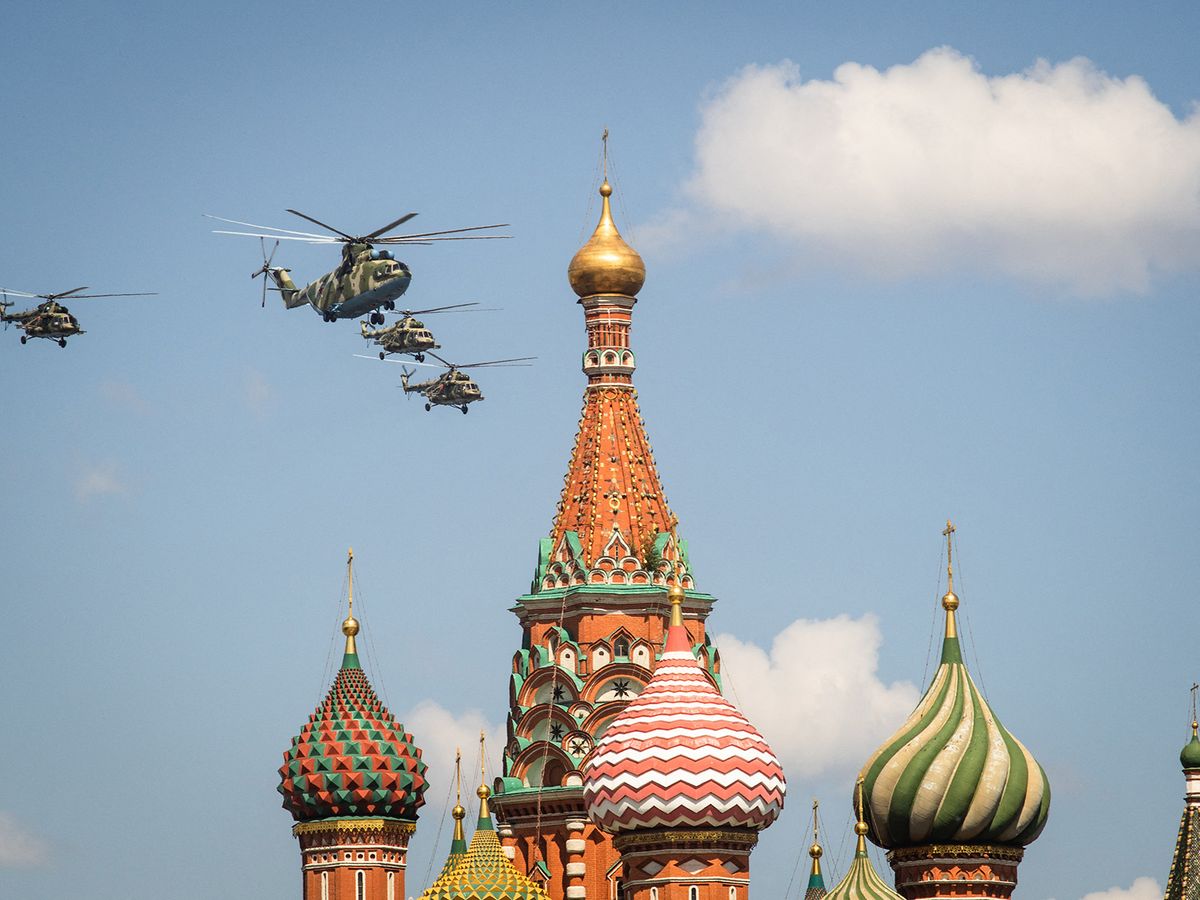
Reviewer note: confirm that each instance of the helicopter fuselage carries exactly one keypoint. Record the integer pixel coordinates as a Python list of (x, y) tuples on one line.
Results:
[(47, 320), (366, 280), (455, 388), (409, 336)]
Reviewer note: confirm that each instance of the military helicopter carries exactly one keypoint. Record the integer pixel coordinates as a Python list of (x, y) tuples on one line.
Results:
[(367, 280), (453, 387), (49, 319), (409, 336)]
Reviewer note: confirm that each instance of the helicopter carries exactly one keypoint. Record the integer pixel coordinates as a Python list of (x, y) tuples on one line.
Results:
[(409, 336), (367, 280), (49, 319), (453, 387)]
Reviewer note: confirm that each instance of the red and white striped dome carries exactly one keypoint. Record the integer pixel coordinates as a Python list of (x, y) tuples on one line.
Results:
[(682, 756)]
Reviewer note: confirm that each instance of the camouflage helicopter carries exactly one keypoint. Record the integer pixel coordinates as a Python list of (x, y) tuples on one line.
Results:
[(409, 336), (453, 387), (367, 280), (49, 319)]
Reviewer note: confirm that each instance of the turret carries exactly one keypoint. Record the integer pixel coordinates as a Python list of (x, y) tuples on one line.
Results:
[(1183, 881), (953, 795), (353, 780)]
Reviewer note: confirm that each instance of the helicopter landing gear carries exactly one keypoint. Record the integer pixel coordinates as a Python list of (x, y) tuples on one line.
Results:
[(391, 304), (328, 317), (420, 357), (382, 355), (465, 409), (428, 407), (62, 342), (24, 339)]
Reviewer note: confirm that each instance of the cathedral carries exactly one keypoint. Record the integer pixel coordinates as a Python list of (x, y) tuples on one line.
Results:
[(627, 775)]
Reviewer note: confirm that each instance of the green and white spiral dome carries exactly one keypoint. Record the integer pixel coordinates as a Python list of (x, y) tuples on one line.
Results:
[(953, 774)]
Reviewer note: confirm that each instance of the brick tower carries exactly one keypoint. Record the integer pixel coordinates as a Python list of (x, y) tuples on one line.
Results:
[(952, 795), (353, 781), (592, 622), (684, 782)]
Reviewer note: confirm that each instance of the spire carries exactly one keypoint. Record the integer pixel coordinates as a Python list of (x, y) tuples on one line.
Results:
[(816, 881), (459, 844), (950, 599), (862, 882), (1183, 881), (350, 625), (613, 506), (485, 814)]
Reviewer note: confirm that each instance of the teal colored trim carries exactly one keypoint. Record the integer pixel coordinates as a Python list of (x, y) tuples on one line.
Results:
[(350, 661), (484, 824), (816, 881)]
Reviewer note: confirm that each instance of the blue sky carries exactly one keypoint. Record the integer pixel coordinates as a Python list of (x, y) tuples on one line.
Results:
[(184, 479)]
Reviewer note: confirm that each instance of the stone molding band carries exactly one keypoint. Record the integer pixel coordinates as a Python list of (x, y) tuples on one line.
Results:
[(745, 840), (955, 852), (354, 825)]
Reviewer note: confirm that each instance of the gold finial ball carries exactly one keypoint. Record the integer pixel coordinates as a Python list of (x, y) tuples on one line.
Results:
[(861, 829), (675, 594), (350, 626), (815, 851), (606, 189), (459, 811), (950, 601), (482, 792)]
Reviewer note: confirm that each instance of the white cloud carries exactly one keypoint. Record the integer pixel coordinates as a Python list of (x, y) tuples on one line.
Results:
[(18, 848), (98, 480), (816, 695), (1144, 888), (437, 731), (1060, 174)]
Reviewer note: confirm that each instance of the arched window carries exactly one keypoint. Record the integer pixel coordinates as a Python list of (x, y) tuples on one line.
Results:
[(553, 774), (392, 886), (324, 886), (653, 893), (621, 647), (360, 885), (732, 892), (693, 893)]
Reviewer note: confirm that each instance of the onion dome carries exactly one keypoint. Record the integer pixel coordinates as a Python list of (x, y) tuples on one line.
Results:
[(1189, 757), (953, 773), (484, 872), (680, 755), (606, 264), (352, 758), (816, 881), (862, 882)]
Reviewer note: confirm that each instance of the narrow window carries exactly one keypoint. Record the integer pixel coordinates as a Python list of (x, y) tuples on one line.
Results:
[(732, 893), (324, 886), (360, 885), (693, 893), (621, 647), (653, 893), (392, 886)]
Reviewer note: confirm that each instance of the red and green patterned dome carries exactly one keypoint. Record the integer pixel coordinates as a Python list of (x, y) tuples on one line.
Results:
[(352, 758)]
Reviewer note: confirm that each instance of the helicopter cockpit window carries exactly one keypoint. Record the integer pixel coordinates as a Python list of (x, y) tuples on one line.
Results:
[(381, 254)]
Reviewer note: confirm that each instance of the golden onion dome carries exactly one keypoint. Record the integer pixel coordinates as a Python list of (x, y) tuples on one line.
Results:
[(606, 264)]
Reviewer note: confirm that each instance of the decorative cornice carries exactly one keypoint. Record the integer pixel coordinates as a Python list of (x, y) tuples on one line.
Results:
[(354, 825), (955, 852), (681, 837)]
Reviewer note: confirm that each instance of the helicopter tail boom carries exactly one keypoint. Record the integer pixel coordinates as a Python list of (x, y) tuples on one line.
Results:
[(287, 288)]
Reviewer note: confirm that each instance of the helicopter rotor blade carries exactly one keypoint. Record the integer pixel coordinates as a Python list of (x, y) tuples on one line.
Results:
[(99, 296), (386, 228), (425, 312), (323, 225), (20, 293), (63, 294), (403, 362), (517, 361), (319, 239), (263, 227), (424, 234), (271, 258)]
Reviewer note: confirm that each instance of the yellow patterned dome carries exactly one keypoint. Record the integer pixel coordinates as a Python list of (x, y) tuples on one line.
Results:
[(606, 264)]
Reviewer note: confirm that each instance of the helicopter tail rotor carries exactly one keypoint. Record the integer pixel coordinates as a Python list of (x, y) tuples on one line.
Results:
[(266, 267), (405, 374)]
